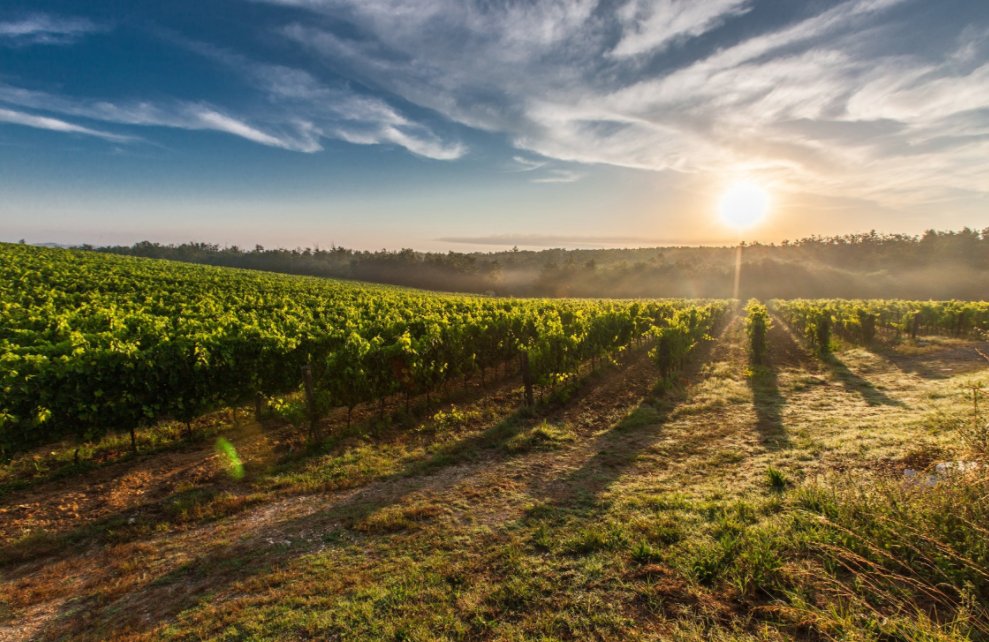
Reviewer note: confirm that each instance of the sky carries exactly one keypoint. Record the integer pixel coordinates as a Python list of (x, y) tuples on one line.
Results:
[(482, 124)]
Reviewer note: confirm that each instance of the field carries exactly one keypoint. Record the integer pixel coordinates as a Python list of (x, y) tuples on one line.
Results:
[(609, 470)]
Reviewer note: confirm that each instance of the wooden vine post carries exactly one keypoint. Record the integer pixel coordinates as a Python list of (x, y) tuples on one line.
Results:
[(311, 403), (526, 378), (258, 407)]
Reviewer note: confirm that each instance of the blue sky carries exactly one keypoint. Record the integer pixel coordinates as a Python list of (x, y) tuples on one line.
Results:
[(469, 124)]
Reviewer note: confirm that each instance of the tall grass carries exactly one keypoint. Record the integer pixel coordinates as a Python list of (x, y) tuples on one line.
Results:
[(875, 560), (904, 561)]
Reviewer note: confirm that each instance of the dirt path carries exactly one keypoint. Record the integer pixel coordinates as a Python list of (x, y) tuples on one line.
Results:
[(140, 484), (64, 504)]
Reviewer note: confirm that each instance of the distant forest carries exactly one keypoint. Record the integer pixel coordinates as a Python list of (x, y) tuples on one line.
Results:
[(937, 265)]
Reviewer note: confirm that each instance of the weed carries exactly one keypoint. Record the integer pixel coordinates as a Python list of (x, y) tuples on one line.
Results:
[(593, 538), (645, 553), (542, 538), (543, 436), (644, 415), (777, 479), (454, 418), (393, 519), (708, 561)]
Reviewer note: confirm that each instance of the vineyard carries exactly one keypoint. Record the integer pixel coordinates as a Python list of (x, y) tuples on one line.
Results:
[(93, 344), (866, 322), (325, 459)]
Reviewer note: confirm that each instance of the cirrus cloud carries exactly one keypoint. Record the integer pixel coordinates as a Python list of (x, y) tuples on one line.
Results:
[(55, 125), (43, 29), (822, 101)]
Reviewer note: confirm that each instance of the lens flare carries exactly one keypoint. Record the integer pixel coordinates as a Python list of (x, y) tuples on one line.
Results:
[(227, 452)]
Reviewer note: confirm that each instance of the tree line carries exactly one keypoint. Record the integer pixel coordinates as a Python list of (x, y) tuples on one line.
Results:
[(936, 264)]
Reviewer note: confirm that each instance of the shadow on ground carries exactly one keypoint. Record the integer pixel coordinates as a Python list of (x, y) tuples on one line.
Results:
[(262, 546), (785, 348), (854, 383), (936, 360), (768, 404), (617, 449)]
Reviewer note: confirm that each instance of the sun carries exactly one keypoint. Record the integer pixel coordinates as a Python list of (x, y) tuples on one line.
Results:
[(743, 205)]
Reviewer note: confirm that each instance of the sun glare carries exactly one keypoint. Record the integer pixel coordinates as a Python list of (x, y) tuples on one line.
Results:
[(743, 205)]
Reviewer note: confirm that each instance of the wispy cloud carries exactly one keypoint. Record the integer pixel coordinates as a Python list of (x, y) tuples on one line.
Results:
[(650, 26), (297, 136), (821, 97), (564, 240), (826, 101), (43, 29), (199, 117), (331, 111), (297, 111), (559, 176), (524, 164), (56, 125), (544, 171)]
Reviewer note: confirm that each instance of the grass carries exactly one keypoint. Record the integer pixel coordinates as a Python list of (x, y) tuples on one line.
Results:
[(904, 563), (643, 416), (777, 479), (542, 436), (69, 459), (391, 519), (646, 553), (618, 513)]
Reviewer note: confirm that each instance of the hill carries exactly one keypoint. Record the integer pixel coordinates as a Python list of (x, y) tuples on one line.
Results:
[(938, 265)]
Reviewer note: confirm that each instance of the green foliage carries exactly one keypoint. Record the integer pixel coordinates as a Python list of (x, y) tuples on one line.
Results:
[(679, 333), (290, 411), (92, 343), (864, 322), (757, 324)]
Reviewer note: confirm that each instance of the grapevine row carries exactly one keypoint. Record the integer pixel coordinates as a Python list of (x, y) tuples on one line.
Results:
[(864, 322), (757, 324), (92, 343)]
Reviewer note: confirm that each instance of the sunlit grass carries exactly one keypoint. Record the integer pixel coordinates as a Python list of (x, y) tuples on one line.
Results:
[(674, 518)]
